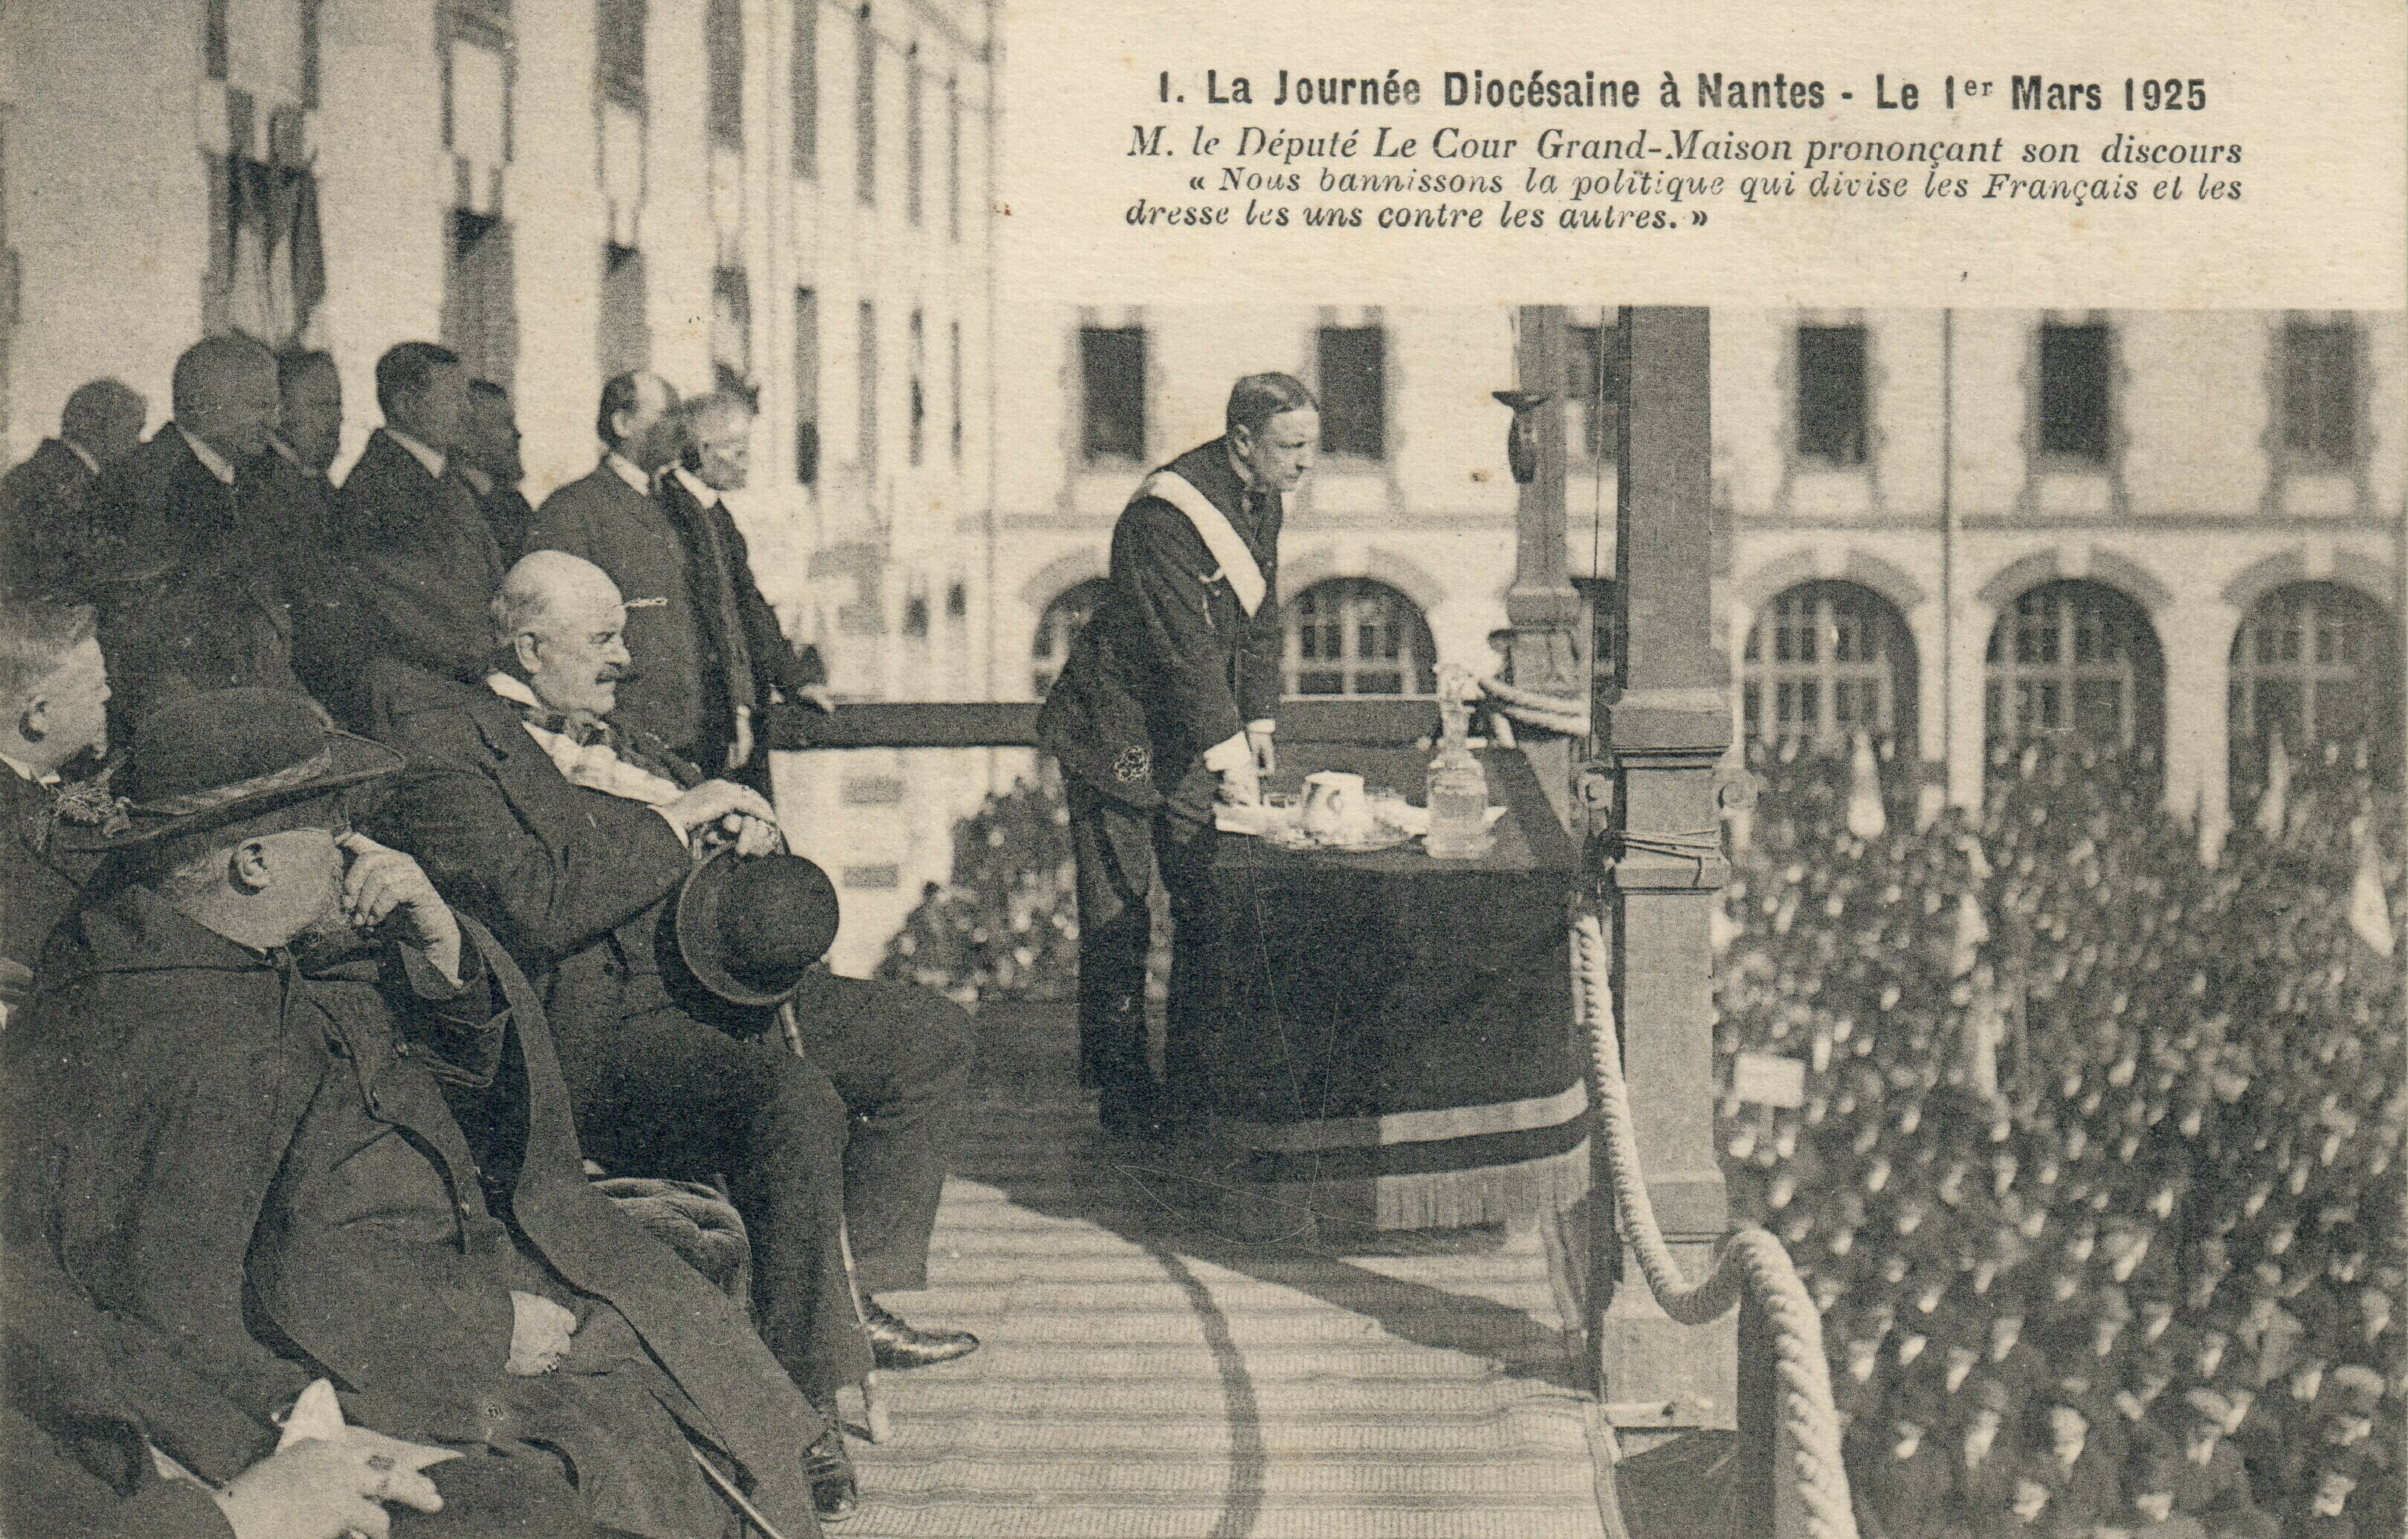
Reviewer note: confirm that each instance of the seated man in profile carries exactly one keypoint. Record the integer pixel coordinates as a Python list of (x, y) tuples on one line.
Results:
[(536, 813), (231, 1121)]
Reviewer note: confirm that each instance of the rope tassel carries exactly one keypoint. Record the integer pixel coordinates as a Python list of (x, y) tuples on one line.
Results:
[(1752, 1260)]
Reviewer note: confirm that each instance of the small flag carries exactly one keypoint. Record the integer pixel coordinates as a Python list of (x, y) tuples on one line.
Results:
[(1866, 819), (2369, 916)]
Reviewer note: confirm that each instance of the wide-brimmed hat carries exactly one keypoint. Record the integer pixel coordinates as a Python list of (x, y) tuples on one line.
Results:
[(205, 760), (749, 928)]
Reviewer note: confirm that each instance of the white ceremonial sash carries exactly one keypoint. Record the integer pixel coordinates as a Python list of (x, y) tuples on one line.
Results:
[(1220, 538)]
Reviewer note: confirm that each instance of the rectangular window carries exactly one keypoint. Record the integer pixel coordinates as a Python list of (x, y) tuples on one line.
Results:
[(2320, 392), (216, 40), (866, 365), (2075, 391), (312, 51), (919, 390), (807, 387), (623, 338), (1111, 378), (731, 331), (864, 108), (723, 41), (619, 41), (479, 298), (807, 88), (953, 161), (913, 151), (1831, 393), (1595, 382), (955, 419), (1354, 363)]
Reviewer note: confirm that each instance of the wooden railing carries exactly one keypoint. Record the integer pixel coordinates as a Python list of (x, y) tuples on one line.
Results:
[(1013, 724)]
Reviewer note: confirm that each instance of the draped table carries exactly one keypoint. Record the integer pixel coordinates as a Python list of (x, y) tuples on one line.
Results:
[(1386, 1040)]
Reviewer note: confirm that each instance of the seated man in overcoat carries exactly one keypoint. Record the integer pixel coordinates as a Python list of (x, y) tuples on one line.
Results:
[(231, 1120), (572, 837)]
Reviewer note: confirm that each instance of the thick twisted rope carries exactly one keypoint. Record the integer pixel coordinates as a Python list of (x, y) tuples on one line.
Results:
[(1565, 714), (1751, 1260)]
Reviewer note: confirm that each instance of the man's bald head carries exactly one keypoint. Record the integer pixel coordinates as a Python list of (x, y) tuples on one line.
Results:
[(226, 395), (106, 418), (560, 624)]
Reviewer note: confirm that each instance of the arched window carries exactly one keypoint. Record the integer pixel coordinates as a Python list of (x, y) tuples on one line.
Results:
[(1350, 636), (1057, 627), (2314, 663), (1825, 661), (2075, 657)]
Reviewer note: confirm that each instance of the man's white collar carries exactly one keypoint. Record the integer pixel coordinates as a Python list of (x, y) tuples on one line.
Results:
[(512, 688), (27, 774), (91, 461), (433, 460), (701, 489), (211, 461), (627, 470)]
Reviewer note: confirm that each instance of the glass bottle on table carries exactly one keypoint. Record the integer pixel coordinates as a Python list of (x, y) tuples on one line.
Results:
[(1457, 787)]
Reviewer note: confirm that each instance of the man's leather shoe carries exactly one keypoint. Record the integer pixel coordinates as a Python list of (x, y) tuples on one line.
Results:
[(895, 1342), (836, 1494)]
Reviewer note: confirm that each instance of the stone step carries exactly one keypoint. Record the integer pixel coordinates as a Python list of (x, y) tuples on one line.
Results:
[(1517, 1481), (1301, 1430), (1026, 1517)]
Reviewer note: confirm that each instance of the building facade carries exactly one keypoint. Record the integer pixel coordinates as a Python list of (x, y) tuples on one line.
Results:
[(2178, 533), (791, 197)]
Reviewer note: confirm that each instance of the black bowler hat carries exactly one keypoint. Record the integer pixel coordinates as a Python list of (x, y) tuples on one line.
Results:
[(750, 928), (205, 760)]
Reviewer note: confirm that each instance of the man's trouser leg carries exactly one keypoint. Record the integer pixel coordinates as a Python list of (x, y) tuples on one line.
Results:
[(1112, 845), (1183, 844), (900, 1054), (679, 1099)]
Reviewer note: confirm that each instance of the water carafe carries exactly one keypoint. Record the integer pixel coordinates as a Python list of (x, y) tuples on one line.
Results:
[(1457, 789)]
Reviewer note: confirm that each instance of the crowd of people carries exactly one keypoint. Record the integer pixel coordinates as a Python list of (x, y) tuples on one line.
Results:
[(407, 985), (2096, 1167)]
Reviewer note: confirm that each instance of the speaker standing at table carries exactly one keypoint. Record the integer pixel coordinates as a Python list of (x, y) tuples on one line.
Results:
[(1167, 698)]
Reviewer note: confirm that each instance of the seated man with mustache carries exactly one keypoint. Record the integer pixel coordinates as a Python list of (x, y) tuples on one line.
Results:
[(572, 837)]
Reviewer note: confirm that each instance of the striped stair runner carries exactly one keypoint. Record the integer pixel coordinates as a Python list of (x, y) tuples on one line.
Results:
[(1147, 1376)]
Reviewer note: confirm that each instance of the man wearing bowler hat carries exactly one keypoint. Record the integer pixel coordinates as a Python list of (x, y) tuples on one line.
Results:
[(574, 837), (232, 1120)]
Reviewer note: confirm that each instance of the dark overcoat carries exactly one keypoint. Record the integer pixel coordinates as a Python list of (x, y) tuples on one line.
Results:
[(258, 1162), (628, 534), (745, 652), (41, 518), (197, 591), (1171, 663), (420, 561)]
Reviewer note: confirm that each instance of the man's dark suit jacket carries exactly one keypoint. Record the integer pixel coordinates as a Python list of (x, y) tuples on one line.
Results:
[(39, 881), (573, 880), (420, 561), (510, 516), (41, 508), (745, 653), (327, 645), (257, 1160), (197, 593), (628, 534), (1170, 664)]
